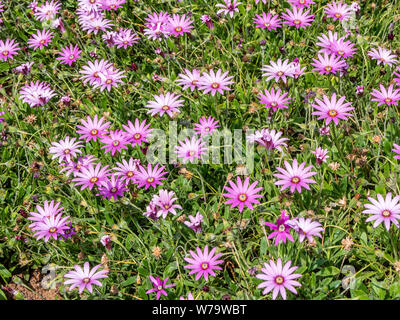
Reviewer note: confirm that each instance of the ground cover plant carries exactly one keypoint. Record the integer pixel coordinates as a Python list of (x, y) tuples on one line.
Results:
[(199, 149)]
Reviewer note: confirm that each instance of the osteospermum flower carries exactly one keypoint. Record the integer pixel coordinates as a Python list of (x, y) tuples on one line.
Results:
[(343, 48), (47, 11), (194, 222), (125, 38), (228, 7), (137, 133), (49, 209), (115, 141), (126, 170), (270, 139), (294, 177), (36, 93), (296, 17), (215, 82), (277, 278), (150, 177), (51, 226), (95, 22), (267, 21), (178, 25), (40, 39), (207, 20), (72, 167), (382, 55), (328, 64), (164, 202), (281, 231), (189, 79), (68, 55), (338, 11), (89, 5), (332, 109), (206, 126), (112, 188), (386, 96), (203, 263), (24, 68), (396, 150), (8, 49), (190, 297), (65, 149), (92, 176), (320, 155), (241, 194), (85, 278), (301, 3), (191, 149), (167, 103), (274, 99), (326, 42), (111, 4), (109, 78), (92, 129), (91, 72), (383, 210), (157, 25), (159, 286), (278, 70), (306, 228)]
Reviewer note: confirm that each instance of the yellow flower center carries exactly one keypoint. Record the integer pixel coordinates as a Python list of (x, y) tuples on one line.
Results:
[(296, 21), (94, 132), (279, 279), (242, 197), (338, 15), (137, 136), (340, 52), (113, 6), (302, 1), (328, 68), (125, 42), (150, 180), (115, 143), (165, 108), (332, 113), (159, 287), (92, 1), (267, 24), (71, 57), (53, 229), (108, 81), (130, 174), (386, 213), (388, 100), (86, 280), (295, 180), (67, 151), (274, 103), (5, 53), (191, 153), (178, 29), (215, 85), (204, 265), (94, 180), (281, 228), (280, 73), (42, 41), (194, 82), (166, 206)]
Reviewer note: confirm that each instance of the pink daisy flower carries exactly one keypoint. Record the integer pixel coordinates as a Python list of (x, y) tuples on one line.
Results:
[(326, 42), (270, 139), (8, 49), (306, 228), (281, 231), (150, 177), (85, 278), (332, 110), (36, 93), (109, 78), (111, 4), (40, 39), (164, 202), (386, 96), (203, 263), (126, 38), (241, 194), (112, 188), (91, 72), (273, 99), (178, 25), (191, 149), (278, 70), (296, 17), (167, 103), (338, 11), (301, 3), (157, 25), (189, 79), (24, 68), (126, 170), (267, 21), (115, 141), (95, 23), (194, 222), (190, 297), (396, 150), (382, 55), (90, 5), (215, 82), (73, 167), (92, 129), (207, 126), (343, 48), (65, 149), (278, 279), (137, 133), (320, 155), (228, 7), (47, 11), (205, 18), (328, 64), (159, 286), (49, 209), (294, 177), (383, 210), (68, 55), (91, 176), (51, 226)]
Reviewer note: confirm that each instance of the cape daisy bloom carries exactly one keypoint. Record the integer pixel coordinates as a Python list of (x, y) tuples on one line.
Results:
[(267, 21), (85, 278), (328, 64), (109, 77), (228, 7), (112, 188), (159, 286), (194, 222), (137, 133), (191, 149), (92, 176), (320, 155), (241, 194), (150, 177), (189, 79), (296, 17), (386, 96), (306, 228), (384, 210), (332, 109), (1, 118), (115, 141), (396, 150), (92, 129), (8, 49), (338, 11), (270, 139), (65, 149), (277, 278), (281, 231), (91, 72), (68, 55), (382, 55), (111, 4), (206, 126), (178, 25), (203, 263), (164, 202), (343, 48), (301, 3), (167, 103), (47, 11), (273, 99), (40, 39), (49, 209), (326, 42), (126, 170), (278, 70), (125, 38), (36, 93), (73, 167), (51, 226), (294, 177), (215, 82)]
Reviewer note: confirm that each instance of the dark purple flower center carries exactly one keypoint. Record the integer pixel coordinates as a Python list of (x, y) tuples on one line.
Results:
[(113, 190), (160, 287), (281, 228)]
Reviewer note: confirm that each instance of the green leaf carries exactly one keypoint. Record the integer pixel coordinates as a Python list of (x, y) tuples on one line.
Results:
[(329, 271)]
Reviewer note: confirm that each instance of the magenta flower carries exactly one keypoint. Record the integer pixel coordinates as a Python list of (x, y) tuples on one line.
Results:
[(194, 222), (126, 38), (382, 55), (241, 194), (326, 42), (1, 118), (159, 286), (73, 167), (397, 74), (338, 11), (332, 110), (49, 209), (164, 203), (343, 48), (85, 278), (190, 297), (178, 25), (203, 263), (191, 149), (189, 79), (157, 25), (294, 177), (8, 49), (111, 4), (36, 93), (281, 229), (92, 129), (296, 17), (278, 70), (91, 176), (328, 64), (40, 39), (386, 96), (109, 77), (301, 3), (112, 188), (106, 241), (91, 72), (320, 155), (228, 7), (65, 149), (306, 228), (383, 210), (68, 55), (396, 150), (51, 226), (126, 170), (150, 177), (94, 22), (207, 126), (167, 103), (215, 82), (47, 11), (137, 133), (278, 279), (267, 21), (115, 141), (24, 68), (270, 139), (205, 18), (273, 99)]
